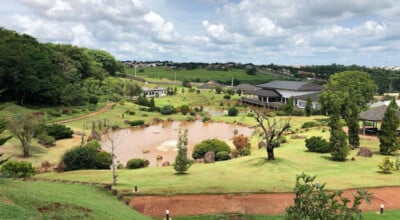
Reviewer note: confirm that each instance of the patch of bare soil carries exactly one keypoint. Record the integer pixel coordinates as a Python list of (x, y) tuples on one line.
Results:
[(263, 204), (56, 207), (103, 109)]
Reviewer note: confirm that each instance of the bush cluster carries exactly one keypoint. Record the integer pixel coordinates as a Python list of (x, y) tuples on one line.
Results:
[(130, 112), (135, 163), (233, 111), (222, 155), (317, 144), (310, 124), (167, 110), (17, 169), (103, 160), (214, 145), (59, 131), (136, 122), (80, 158)]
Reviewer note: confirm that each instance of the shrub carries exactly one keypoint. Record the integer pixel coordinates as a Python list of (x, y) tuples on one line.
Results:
[(53, 112), (298, 112), (135, 163), (184, 109), (245, 152), (250, 114), (103, 160), (241, 142), (222, 155), (46, 140), (317, 144), (309, 124), (136, 123), (93, 100), (93, 144), (226, 96), (167, 110), (214, 145), (205, 118), (312, 201), (233, 111), (130, 112), (17, 169), (386, 165), (59, 131), (80, 158)]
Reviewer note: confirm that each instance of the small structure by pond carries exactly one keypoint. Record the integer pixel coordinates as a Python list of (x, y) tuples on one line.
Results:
[(373, 115)]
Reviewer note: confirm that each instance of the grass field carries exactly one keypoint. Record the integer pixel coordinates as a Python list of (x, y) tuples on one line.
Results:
[(251, 174), (203, 75), (46, 200)]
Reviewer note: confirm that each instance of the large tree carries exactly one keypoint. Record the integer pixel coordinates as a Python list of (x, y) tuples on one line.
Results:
[(24, 128), (272, 129), (346, 94), (389, 142)]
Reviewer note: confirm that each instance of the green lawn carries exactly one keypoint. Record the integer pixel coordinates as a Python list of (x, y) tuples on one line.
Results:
[(203, 75), (47, 200), (251, 174)]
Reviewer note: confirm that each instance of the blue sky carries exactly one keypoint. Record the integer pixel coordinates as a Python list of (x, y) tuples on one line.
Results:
[(293, 32)]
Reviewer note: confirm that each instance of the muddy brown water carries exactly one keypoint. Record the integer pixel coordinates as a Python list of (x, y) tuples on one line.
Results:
[(160, 139)]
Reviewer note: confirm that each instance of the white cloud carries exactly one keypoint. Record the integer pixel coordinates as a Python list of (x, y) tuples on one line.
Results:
[(162, 31), (82, 37), (258, 31)]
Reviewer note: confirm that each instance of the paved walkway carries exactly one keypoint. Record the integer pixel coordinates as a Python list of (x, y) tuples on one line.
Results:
[(264, 204)]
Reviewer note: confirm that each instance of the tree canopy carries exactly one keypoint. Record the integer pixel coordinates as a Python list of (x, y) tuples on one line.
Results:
[(48, 74), (346, 94)]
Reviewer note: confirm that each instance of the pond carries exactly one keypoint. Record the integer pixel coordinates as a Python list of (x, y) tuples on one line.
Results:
[(161, 139)]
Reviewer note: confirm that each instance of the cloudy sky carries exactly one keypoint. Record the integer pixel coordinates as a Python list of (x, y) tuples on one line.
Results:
[(363, 32)]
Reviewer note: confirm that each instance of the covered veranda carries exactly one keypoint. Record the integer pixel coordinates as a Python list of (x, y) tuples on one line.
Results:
[(375, 116)]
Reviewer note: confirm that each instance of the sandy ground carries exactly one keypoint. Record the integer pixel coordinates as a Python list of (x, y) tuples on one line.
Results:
[(264, 204)]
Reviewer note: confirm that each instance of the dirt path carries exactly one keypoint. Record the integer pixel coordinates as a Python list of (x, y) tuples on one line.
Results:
[(264, 204), (103, 109)]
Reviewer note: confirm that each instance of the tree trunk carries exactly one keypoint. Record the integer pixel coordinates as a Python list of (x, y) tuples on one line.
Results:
[(25, 147), (270, 152)]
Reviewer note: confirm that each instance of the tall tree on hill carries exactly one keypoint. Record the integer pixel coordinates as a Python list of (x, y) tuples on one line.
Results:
[(349, 91), (272, 131), (182, 163), (389, 142)]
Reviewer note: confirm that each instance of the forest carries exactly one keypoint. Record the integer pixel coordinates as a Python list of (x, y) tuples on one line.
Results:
[(33, 73)]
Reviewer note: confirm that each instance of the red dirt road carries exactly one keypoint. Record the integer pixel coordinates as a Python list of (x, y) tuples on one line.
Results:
[(103, 109), (264, 204)]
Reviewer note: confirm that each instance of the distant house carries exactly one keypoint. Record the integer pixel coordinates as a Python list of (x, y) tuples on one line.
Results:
[(301, 100), (244, 88), (209, 85), (277, 92), (374, 115), (154, 92)]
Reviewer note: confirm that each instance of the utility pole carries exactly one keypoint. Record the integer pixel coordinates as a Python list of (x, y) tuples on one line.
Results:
[(135, 69)]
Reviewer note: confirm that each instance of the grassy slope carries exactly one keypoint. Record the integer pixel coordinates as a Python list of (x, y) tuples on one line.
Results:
[(203, 74), (250, 174), (22, 199)]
